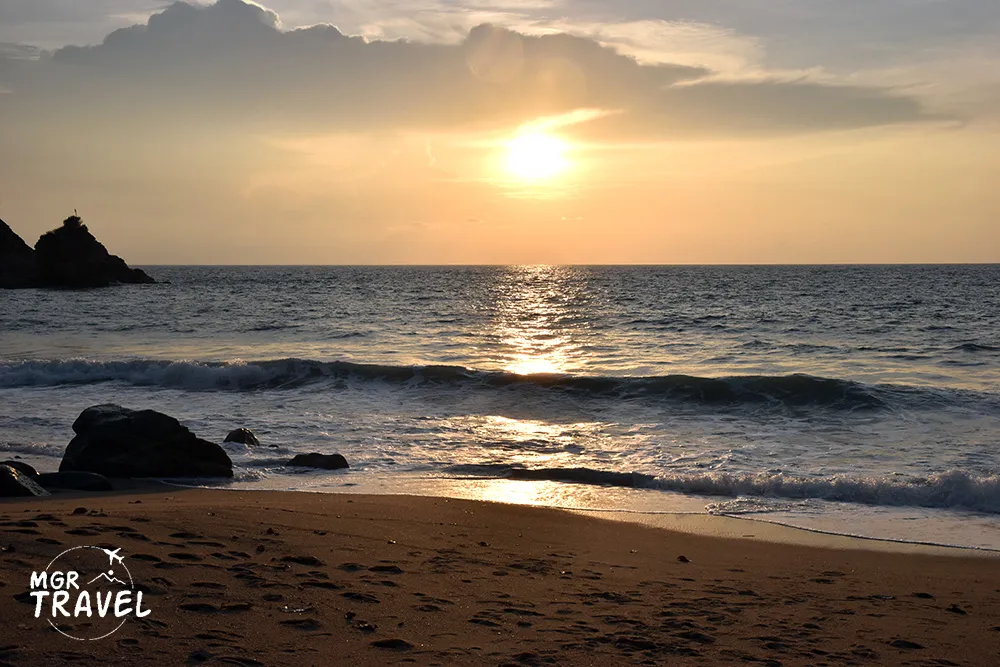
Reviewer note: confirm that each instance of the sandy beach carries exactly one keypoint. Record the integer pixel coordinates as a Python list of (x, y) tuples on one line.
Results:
[(279, 578)]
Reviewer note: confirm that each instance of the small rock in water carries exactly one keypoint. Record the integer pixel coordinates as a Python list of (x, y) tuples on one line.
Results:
[(244, 436), (315, 460)]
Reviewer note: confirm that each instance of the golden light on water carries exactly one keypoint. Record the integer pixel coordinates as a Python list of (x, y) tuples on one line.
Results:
[(529, 320), (536, 156), (530, 365)]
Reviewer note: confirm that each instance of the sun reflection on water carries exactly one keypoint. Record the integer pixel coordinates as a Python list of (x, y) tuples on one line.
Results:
[(532, 318)]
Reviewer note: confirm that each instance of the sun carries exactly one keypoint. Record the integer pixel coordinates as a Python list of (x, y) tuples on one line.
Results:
[(535, 156)]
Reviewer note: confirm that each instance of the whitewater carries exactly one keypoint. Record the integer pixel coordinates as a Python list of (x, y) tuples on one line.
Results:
[(856, 400)]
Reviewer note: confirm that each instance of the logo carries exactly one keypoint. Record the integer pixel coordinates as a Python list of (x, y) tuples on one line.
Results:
[(86, 593)]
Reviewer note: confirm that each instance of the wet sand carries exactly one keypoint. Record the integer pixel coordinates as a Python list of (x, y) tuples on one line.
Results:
[(279, 578)]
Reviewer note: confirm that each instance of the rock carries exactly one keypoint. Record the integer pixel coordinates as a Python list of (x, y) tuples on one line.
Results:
[(74, 480), (117, 442), (14, 483), (243, 436), (18, 267), (71, 257), (22, 466), (314, 460)]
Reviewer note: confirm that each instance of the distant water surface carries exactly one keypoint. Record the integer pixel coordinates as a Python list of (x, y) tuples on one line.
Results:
[(863, 400)]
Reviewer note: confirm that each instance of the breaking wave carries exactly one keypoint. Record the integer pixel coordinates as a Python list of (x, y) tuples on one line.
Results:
[(950, 490), (794, 390)]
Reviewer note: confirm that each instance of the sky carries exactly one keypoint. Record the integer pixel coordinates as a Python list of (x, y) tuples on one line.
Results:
[(506, 132)]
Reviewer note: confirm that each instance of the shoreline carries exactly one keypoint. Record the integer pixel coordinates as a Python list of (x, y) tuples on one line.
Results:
[(689, 516), (432, 580)]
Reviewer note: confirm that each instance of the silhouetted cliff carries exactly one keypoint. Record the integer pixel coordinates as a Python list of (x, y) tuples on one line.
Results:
[(17, 260), (69, 256)]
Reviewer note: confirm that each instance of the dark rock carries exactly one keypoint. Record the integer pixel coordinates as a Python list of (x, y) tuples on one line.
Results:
[(22, 466), (325, 461), (243, 436), (74, 481), (71, 257), (18, 267), (13, 483), (117, 442)]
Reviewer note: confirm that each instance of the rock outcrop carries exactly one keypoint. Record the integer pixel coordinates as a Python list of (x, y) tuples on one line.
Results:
[(71, 257), (244, 436), (118, 442), (325, 461), (14, 483), (68, 257), (22, 466), (18, 267), (74, 481)]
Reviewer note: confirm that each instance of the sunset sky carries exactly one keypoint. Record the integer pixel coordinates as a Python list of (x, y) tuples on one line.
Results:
[(516, 131)]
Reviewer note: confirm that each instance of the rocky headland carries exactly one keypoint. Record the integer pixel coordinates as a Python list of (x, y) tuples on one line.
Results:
[(66, 257)]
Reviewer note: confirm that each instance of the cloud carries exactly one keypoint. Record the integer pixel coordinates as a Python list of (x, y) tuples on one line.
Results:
[(231, 62), (54, 23), (763, 107)]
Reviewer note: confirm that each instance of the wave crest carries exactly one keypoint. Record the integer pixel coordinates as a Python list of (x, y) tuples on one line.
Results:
[(282, 373), (949, 490)]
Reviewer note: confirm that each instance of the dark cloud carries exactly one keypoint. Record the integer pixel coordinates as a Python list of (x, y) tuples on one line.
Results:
[(230, 62), (764, 107)]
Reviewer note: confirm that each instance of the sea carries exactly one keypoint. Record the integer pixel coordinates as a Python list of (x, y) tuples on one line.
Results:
[(858, 400)]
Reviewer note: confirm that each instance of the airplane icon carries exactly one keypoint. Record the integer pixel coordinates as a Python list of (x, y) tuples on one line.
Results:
[(113, 556)]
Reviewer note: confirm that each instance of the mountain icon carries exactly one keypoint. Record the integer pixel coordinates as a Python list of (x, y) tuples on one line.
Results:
[(110, 580)]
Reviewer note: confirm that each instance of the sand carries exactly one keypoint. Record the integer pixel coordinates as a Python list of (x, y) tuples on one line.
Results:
[(276, 578)]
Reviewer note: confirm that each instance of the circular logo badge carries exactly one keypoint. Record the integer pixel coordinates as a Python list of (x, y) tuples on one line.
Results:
[(86, 593)]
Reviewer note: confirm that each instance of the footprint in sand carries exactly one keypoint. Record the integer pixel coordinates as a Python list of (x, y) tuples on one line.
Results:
[(167, 566), (208, 584), (351, 567), (316, 583), (304, 624), (392, 644), (185, 536), (312, 561)]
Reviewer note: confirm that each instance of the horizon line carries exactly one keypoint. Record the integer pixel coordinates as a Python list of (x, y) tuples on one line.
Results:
[(586, 264)]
